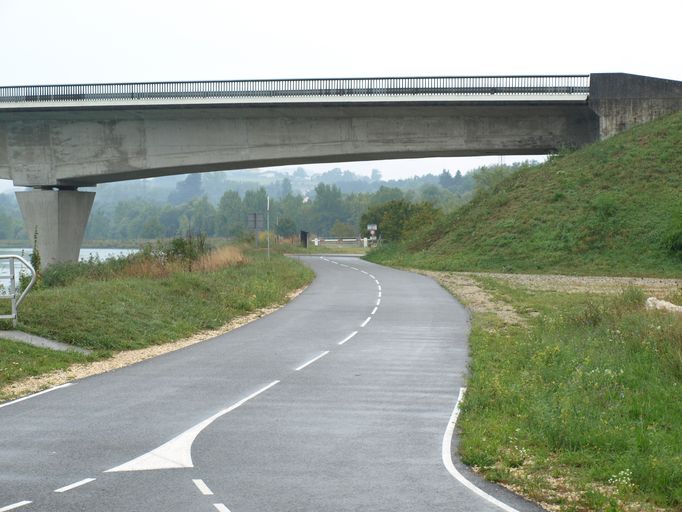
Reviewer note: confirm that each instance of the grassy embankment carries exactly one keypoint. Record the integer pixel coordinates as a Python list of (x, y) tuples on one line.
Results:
[(581, 407), (612, 208), (122, 305)]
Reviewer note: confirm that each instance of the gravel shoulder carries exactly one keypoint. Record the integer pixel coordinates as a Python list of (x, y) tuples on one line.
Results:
[(463, 285)]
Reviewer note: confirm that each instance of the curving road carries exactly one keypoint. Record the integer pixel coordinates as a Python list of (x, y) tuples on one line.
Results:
[(338, 402)]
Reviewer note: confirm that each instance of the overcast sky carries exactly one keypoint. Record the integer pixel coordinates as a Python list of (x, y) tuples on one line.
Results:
[(91, 41)]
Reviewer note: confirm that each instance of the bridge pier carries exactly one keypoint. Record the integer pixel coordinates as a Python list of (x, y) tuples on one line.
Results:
[(59, 217)]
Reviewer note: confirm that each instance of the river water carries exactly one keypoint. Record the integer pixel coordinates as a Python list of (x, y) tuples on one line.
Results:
[(85, 254)]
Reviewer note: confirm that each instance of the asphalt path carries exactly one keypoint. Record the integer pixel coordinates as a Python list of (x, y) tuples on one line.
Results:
[(340, 401)]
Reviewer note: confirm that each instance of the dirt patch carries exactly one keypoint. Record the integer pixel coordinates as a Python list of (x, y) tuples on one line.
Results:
[(464, 287), (587, 284), (129, 357)]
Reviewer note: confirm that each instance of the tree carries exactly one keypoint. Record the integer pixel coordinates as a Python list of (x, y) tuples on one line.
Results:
[(397, 218), (342, 230), (328, 207), (186, 190), (230, 215), (285, 227)]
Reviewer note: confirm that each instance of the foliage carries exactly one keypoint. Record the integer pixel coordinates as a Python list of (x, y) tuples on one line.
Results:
[(609, 208), (398, 217)]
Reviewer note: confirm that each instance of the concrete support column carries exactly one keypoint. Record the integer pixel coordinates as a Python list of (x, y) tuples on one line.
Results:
[(60, 217)]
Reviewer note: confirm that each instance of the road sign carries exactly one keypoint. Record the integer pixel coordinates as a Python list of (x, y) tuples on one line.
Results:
[(371, 227), (255, 221)]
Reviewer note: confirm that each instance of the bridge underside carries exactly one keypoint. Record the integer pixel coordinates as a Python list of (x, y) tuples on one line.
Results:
[(73, 148)]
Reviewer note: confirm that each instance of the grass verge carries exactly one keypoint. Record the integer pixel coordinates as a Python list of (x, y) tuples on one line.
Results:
[(19, 360), (110, 311), (579, 408)]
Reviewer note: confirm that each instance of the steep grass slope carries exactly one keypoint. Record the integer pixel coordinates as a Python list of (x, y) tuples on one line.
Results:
[(614, 207)]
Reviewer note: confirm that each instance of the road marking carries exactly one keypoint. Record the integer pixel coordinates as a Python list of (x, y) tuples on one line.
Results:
[(366, 321), (177, 453), (379, 286), (364, 272), (450, 466), (14, 505), (312, 361), (374, 310), (221, 508), (378, 301), (74, 485), (348, 337), (35, 395), (370, 275), (203, 488), (379, 294)]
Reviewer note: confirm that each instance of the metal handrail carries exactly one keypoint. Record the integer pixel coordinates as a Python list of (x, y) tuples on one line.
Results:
[(309, 87), (16, 302)]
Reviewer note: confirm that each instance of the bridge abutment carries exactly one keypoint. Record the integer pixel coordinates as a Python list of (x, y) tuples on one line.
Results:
[(59, 218)]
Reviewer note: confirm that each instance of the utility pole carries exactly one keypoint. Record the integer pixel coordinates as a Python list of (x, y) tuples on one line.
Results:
[(268, 226)]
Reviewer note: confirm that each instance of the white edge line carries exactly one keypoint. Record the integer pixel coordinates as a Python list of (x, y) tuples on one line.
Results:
[(366, 321), (33, 396), (14, 505), (348, 337), (203, 488), (74, 485), (312, 360), (374, 310), (450, 466), (221, 508)]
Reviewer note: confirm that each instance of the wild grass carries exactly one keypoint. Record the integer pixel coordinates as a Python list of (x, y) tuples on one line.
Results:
[(18, 361), (582, 409)]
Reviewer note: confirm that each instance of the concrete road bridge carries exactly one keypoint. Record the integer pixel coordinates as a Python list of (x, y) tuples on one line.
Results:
[(57, 138)]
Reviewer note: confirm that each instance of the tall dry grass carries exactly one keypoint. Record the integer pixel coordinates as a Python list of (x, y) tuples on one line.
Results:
[(152, 267), (227, 256)]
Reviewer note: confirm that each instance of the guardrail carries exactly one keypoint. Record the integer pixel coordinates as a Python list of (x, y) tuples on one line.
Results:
[(10, 291), (314, 87)]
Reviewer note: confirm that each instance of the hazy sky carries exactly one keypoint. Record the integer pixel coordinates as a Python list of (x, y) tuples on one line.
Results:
[(91, 41)]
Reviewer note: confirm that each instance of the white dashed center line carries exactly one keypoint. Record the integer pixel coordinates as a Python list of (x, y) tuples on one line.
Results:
[(203, 488), (374, 310), (14, 505), (312, 361), (74, 485), (348, 337), (221, 508), (366, 321)]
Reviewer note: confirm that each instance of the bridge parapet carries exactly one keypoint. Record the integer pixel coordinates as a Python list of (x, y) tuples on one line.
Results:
[(346, 88)]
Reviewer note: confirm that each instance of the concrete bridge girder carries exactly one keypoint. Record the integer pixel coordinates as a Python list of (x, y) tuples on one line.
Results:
[(78, 148)]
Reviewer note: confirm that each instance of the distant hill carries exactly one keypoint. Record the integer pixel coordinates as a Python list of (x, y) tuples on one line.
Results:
[(614, 207)]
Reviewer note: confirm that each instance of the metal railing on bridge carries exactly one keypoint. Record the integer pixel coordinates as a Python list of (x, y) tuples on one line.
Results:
[(305, 88)]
